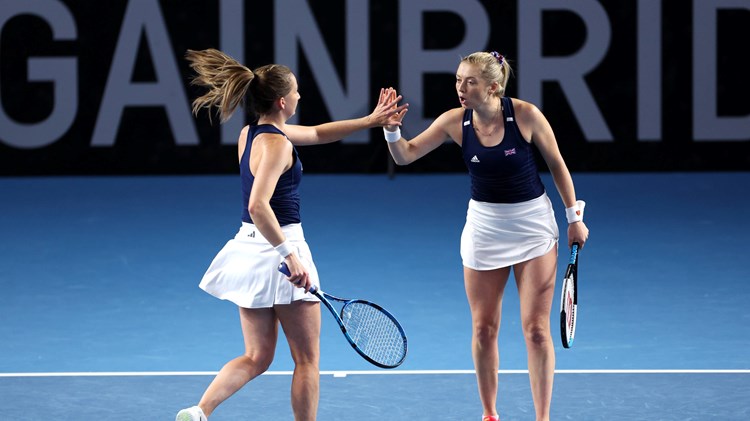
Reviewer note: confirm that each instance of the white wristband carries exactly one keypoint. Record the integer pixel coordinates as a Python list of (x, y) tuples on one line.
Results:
[(284, 249), (392, 137), (575, 212)]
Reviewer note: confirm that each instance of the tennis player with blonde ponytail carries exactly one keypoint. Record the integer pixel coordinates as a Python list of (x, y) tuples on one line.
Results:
[(510, 223), (245, 270)]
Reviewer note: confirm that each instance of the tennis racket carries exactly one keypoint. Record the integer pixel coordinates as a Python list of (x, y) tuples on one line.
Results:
[(370, 329), (569, 299)]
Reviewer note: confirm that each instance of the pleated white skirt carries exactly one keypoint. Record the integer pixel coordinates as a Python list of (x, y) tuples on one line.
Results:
[(245, 271), (499, 235)]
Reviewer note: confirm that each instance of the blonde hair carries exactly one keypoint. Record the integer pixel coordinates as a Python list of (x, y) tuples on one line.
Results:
[(228, 83), (493, 68)]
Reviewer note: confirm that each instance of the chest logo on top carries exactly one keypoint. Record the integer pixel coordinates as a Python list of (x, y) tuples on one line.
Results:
[(509, 152), (474, 159)]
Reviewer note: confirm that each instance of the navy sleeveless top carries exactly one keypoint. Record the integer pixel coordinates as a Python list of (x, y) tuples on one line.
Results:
[(505, 173), (285, 198)]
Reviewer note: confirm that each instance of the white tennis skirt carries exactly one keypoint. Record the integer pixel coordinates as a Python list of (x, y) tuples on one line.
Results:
[(246, 273), (498, 235)]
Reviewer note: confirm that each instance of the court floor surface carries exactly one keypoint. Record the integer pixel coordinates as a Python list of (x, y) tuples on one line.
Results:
[(101, 317)]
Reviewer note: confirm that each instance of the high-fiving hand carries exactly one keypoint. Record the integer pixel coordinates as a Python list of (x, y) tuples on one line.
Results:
[(387, 112)]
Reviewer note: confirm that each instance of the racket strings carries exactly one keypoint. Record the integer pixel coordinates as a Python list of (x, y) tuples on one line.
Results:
[(376, 334), (569, 310)]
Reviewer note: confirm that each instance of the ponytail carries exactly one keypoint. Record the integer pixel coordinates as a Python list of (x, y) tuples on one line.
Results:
[(226, 79)]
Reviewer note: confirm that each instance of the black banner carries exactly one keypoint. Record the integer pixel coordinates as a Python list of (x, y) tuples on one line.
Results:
[(101, 87)]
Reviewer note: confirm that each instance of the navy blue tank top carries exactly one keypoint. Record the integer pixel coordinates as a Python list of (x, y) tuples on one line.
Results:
[(285, 198), (505, 173)]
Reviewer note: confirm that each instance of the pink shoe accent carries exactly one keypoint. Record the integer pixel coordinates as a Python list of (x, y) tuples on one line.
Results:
[(491, 418)]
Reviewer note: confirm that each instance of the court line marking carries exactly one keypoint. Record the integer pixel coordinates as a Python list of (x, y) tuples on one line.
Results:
[(344, 373)]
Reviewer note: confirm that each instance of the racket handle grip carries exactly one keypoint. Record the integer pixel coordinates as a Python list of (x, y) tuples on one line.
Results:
[(283, 268)]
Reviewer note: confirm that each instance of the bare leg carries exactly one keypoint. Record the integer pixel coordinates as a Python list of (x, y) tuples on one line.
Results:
[(260, 331), (536, 284), (484, 290), (301, 323)]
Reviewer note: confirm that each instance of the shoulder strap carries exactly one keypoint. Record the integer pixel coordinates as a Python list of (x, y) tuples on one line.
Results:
[(510, 114)]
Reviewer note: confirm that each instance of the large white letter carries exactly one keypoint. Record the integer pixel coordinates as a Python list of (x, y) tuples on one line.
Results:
[(568, 71), (414, 61), (144, 16), (62, 72), (232, 39), (649, 69), (298, 29), (707, 125)]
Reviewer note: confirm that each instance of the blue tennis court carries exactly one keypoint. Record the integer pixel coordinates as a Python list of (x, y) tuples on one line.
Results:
[(101, 316)]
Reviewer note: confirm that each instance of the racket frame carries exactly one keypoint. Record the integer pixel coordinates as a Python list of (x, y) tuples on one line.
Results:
[(324, 297), (571, 276)]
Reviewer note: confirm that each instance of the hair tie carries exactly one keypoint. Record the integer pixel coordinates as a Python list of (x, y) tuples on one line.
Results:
[(499, 57)]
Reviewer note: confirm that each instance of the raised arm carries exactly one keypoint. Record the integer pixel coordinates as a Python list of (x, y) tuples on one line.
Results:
[(385, 113), (446, 126)]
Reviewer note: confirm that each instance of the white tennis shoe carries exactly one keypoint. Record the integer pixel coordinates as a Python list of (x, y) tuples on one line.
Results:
[(194, 413)]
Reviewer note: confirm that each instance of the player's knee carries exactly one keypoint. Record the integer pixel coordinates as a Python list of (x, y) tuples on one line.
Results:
[(305, 356), (265, 364), (486, 333), (261, 362), (536, 334), (307, 365)]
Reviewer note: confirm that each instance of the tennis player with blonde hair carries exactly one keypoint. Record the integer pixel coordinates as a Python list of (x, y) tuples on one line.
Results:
[(510, 223)]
